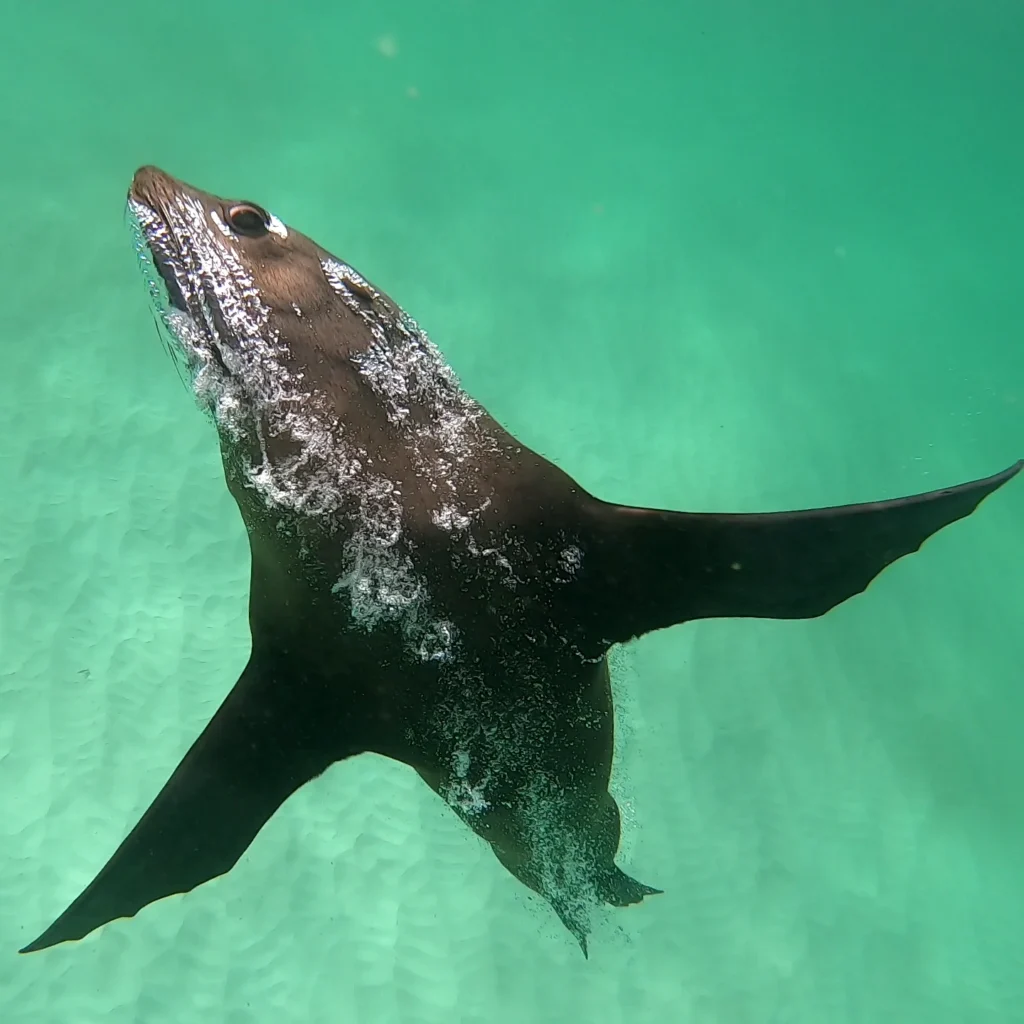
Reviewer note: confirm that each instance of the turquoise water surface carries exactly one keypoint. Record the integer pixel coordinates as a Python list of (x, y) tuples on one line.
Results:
[(729, 255)]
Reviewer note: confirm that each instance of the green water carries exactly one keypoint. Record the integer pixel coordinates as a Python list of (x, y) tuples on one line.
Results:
[(720, 255)]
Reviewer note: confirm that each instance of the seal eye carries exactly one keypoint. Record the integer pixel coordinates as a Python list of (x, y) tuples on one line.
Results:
[(249, 219)]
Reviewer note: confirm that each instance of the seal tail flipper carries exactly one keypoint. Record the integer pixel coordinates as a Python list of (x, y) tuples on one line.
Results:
[(650, 569), (618, 889), (575, 915), (262, 744), (615, 888)]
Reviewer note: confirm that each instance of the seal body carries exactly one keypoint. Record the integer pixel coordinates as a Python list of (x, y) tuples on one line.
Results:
[(423, 585)]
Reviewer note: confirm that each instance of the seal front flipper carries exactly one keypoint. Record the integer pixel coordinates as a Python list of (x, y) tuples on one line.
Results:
[(275, 731), (649, 568)]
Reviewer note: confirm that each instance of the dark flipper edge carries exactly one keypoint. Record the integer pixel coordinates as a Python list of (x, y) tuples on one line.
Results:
[(647, 569)]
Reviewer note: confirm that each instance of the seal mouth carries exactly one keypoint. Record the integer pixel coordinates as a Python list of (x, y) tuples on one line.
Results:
[(207, 305), (150, 193), (175, 296)]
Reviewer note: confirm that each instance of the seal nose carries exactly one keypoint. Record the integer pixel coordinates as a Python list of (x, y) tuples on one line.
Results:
[(149, 181)]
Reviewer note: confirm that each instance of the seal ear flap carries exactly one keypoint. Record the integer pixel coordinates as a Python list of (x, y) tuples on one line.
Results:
[(655, 568), (264, 742)]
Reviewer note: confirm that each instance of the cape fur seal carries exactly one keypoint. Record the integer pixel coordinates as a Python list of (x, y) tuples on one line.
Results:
[(423, 585)]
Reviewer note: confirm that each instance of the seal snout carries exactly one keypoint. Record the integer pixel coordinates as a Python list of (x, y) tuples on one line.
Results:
[(150, 185), (148, 175)]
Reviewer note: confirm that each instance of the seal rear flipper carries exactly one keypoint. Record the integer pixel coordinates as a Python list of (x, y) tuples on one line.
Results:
[(575, 916), (267, 739), (618, 889), (651, 569)]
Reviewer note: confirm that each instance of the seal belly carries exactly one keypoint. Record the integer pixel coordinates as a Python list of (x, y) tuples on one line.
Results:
[(534, 784)]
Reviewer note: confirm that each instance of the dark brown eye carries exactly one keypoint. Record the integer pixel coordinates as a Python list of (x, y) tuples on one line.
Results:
[(249, 219)]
